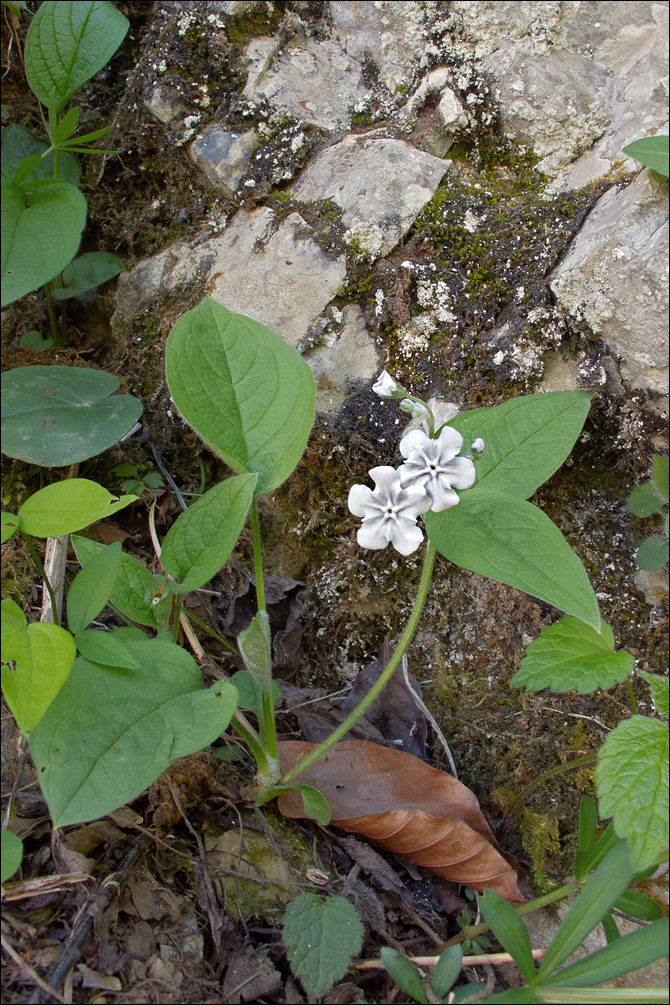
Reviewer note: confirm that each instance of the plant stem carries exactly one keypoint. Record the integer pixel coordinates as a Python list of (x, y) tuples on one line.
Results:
[(178, 604), (268, 729), (633, 699), (258, 558), (549, 898), (384, 677), (210, 631), (53, 320), (253, 741), (40, 565), (576, 762)]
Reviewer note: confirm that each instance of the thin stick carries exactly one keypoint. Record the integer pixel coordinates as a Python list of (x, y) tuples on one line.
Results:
[(468, 961), (168, 477), (419, 702), (28, 971)]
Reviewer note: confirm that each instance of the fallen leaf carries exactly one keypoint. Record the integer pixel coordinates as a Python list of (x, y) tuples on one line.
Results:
[(402, 805)]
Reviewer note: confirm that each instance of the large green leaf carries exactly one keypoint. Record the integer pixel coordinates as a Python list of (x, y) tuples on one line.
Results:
[(245, 391), (92, 587), (652, 151), (41, 230), (67, 506), (514, 542), (572, 655), (67, 43), (58, 415), (632, 783), (111, 731), (43, 655), (322, 934), (527, 439), (135, 587), (202, 538), (18, 143), (87, 272)]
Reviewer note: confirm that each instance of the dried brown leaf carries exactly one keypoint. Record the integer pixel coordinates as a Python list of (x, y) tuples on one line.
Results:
[(402, 805)]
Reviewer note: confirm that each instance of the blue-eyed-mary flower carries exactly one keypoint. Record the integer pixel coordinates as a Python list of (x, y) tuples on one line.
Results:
[(434, 466), (385, 386), (389, 511)]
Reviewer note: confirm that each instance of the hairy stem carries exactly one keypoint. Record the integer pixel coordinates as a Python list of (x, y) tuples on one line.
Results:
[(258, 558), (384, 677)]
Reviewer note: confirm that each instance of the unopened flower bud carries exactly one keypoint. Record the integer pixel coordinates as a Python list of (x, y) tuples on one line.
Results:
[(477, 446), (385, 386), (417, 409)]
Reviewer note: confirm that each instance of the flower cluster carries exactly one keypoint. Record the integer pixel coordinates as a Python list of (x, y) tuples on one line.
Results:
[(426, 481)]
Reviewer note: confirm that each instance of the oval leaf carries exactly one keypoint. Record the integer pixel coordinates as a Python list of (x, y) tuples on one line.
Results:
[(10, 525), (12, 854), (58, 415), (516, 543), (446, 971), (92, 587), (652, 151), (87, 272), (527, 439), (41, 230), (316, 805), (248, 394), (135, 587), (322, 934), (202, 538), (645, 500), (632, 783), (42, 654), (110, 733), (67, 506), (105, 648), (67, 43), (509, 930), (652, 554), (403, 805), (404, 973), (571, 655)]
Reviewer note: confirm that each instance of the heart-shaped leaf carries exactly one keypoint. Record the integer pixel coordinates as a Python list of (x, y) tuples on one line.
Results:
[(41, 230), (67, 506), (87, 272), (245, 391), (58, 415)]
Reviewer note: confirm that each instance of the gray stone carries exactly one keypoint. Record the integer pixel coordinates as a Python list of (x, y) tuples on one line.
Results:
[(391, 34), (615, 277), (342, 357), (164, 104), (557, 103), (275, 273), (380, 184), (224, 156), (314, 80)]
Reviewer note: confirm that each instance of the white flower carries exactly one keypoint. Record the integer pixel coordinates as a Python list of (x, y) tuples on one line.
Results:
[(385, 386), (433, 465), (389, 512)]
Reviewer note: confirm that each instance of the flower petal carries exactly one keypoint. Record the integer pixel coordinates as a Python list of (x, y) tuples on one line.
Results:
[(371, 534), (460, 473), (406, 537), (360, 500), (443, 497), (414, 442), (450, 441), (385, 478)]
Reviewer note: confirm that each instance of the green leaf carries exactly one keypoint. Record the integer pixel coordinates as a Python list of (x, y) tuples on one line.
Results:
[(606, 884), (18, 144), (632, 783), (652, 151), (10, 525), (41, 230), (652, 554), (586, 861), (516, 543), (588, 822), (595, 996), (43, 655), (87, 272), (92, 587), (659, 691), (610, 927), (67, 506), (315, 804), (248, 394), (516, 996), (105, 648), (623, 956), (250, 694), (645, 500), (572, 655), (661, 471), (67, 43), (638, 905), (510, 931), (446, 971), (35, 341), (322, 934), (12, 855), (202, 538), (58, 415), (111, 731), (404, 973), (466, 991), (135, 588), (527, 439), (254, 645)]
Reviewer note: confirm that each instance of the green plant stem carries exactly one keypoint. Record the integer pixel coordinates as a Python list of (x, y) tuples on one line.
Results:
[(633, 699), (549, 898), (53, 320), (561, 769), (210, 631), (258, 557), (384, 677), (40, 565), (266, 776), (178, 604)]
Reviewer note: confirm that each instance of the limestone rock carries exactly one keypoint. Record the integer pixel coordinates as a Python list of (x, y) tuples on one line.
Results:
[(164, 104), (615, 276), (273, 272), (343, 357), (390, 34), (378, 182), (224, 156)]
